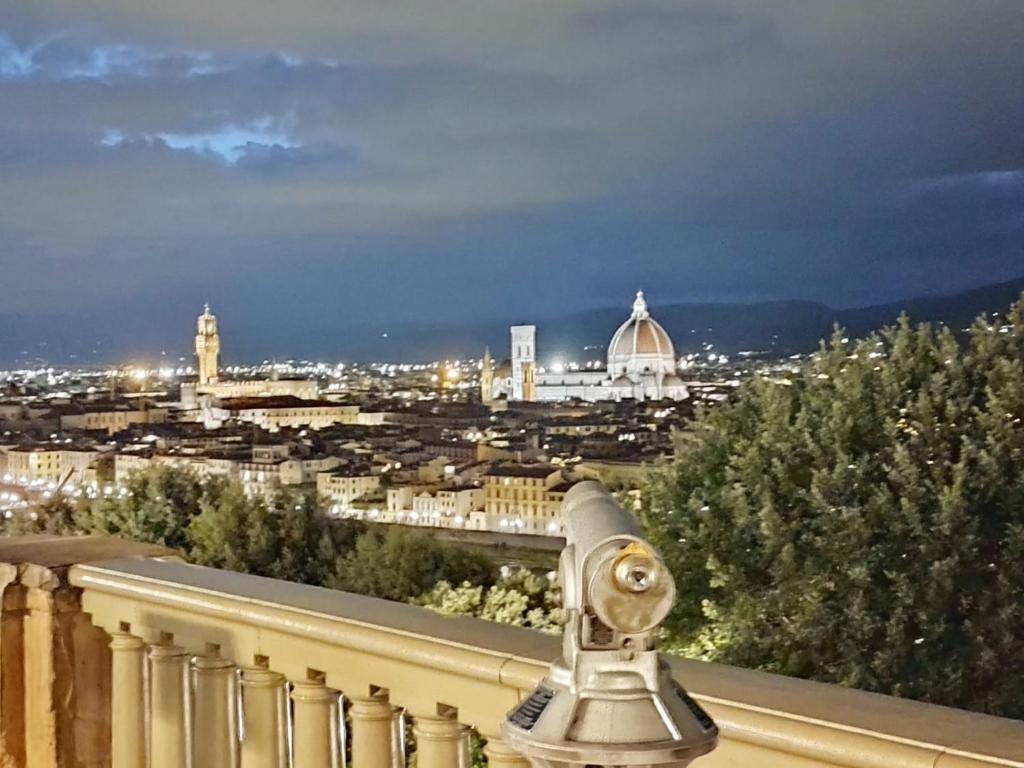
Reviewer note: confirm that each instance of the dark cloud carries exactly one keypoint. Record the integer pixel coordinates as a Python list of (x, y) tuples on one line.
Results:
[(450, 160)]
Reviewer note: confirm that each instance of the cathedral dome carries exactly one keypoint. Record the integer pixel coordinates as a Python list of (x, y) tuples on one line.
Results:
[(641, 345)]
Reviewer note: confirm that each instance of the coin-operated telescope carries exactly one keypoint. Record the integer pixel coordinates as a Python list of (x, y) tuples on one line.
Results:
[(610, 700)]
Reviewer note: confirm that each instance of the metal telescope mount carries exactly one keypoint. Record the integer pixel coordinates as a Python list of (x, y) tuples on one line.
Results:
[(610, 700)]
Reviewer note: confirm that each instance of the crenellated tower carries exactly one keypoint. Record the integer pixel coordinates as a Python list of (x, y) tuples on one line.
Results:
[(208, 347)]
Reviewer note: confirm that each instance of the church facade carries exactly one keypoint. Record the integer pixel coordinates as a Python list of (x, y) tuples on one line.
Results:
[(641, 365)]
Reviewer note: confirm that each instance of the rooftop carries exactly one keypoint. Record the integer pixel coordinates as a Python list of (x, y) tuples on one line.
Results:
[(278, 401), (536, 471)]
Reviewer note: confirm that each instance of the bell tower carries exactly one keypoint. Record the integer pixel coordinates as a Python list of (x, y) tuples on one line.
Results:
[(524, 360), (487, 379), (208, 347)]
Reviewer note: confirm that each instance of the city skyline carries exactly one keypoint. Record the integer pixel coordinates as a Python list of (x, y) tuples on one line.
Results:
[(310, 168), (351, 351), (765, 329)]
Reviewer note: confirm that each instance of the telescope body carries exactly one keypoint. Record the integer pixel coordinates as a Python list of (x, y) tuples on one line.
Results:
[(610, 700)]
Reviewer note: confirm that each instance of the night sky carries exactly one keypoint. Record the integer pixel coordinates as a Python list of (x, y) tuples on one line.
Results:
[(317, 164)]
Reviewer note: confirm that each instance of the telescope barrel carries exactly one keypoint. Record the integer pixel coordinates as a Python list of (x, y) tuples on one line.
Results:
[(593, 516)]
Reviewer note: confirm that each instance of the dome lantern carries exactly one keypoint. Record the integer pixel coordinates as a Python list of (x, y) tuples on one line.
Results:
[(640, 307)]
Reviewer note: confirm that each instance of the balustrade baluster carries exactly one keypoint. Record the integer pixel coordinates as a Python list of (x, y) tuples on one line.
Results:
[(397, 737), (372, 720), (264, 720), (127, 701), (501, 755), (168, 707), (439, 741), (316, 740), (215, 713)]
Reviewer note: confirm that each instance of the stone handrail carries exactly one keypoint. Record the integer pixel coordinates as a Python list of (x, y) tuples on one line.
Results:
[(203, 663)]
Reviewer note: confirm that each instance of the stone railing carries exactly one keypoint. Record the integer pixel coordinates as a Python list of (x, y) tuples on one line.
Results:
[(152, 662)]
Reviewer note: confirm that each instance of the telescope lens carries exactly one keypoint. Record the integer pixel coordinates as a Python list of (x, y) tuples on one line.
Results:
[(636, 573)]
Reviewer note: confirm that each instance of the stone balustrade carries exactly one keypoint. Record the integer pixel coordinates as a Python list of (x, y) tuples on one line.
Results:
[(145, 662)]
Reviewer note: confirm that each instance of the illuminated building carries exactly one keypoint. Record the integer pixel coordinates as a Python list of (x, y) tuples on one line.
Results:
[(340, 487), (522, 498), (641, 365), (207, 348), (487, 379), (524, 361)]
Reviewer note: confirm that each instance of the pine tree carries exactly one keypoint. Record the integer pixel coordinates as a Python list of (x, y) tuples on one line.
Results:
[(288, 537), (400, 564), (57, 515), (156, 508), (862, 520)]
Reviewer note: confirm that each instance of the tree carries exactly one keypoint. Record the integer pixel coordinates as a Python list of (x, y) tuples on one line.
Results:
[(232, 530), (520, 598), (156, 508), (287, 538), (399, 564), (57, 515), (861, 521)]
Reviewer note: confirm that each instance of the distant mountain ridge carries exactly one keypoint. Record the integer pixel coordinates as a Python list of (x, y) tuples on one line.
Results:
[(780, 327)]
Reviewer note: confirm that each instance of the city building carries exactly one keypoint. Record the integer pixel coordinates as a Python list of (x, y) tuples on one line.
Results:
[(487, 378), (396, 443), (522, 498), (524, 362), (207, 349), (109, 417), (641, 365), (49, 464), (281, 412), (339, 488), (446, 507)]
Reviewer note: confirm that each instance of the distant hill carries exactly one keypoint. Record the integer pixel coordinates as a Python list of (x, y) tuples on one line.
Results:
[(957, 310), (781, 327)]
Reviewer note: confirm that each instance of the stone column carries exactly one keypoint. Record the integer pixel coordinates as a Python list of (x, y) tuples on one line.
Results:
[(315, 742), (501, 755), (127, 702), (45, 743), (264, 720), (371, 732), (439, 742), (168, 707), (215, 713), (12, 715)]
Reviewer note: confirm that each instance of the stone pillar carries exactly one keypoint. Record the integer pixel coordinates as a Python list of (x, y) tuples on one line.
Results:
[(43, 688), (501, 755), (398, 741), (127, 702), (168, 707), (264, 720), (214, 713), (439, 742), (315, 742), (91, 676), (371, 732), (12, 668)]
